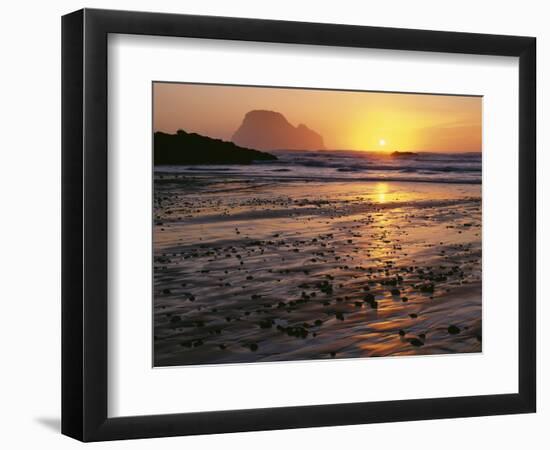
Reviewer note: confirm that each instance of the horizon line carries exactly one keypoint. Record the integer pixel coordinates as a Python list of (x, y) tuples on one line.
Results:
[(388, 152)]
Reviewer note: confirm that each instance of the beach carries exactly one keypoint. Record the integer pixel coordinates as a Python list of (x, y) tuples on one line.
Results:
[(272, 263)]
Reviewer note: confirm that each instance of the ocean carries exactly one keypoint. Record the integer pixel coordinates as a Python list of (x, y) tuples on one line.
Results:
[(341, 165)]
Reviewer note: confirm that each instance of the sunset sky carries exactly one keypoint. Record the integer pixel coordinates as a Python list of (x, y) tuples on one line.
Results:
[(347, 120)]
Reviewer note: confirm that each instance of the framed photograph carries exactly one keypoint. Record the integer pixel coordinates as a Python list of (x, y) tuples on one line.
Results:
[(273, 224)]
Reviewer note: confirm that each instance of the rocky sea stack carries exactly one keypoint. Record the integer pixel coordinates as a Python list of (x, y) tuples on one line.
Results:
[(269, 130)]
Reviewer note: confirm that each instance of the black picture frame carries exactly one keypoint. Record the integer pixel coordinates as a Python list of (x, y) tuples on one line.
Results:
[(84, 224)]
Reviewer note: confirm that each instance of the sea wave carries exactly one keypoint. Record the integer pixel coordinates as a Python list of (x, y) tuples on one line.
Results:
[(352, 165)]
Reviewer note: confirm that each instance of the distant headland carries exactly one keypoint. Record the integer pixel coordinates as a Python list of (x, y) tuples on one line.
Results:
[(270, 130), (185, 148)]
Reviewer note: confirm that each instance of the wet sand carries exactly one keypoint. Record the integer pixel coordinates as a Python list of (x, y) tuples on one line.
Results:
[(265, 270)]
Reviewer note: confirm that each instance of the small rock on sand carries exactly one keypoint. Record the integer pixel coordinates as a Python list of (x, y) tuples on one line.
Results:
[(453, 329)]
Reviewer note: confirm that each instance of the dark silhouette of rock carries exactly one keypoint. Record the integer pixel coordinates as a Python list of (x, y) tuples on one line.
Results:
[(269, 130), (416, 342), (453, 329), (403, 154), (191, 148)]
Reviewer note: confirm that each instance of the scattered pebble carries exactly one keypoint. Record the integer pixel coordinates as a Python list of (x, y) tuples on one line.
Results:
[(453, 329)]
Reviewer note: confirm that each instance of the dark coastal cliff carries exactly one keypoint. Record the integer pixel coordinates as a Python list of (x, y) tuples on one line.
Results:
[(190, 148), (269, 130)]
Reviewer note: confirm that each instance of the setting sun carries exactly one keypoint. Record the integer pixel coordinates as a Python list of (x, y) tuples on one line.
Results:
[(346, 120)]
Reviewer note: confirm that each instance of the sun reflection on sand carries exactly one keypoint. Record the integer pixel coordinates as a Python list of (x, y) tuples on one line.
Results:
[(249, 272), (381, 191)]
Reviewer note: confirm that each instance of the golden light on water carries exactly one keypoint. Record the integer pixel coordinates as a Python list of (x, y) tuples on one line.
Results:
[(381, 189)]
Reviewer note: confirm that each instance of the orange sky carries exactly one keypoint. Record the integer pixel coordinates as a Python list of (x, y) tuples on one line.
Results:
[(347, 120)]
